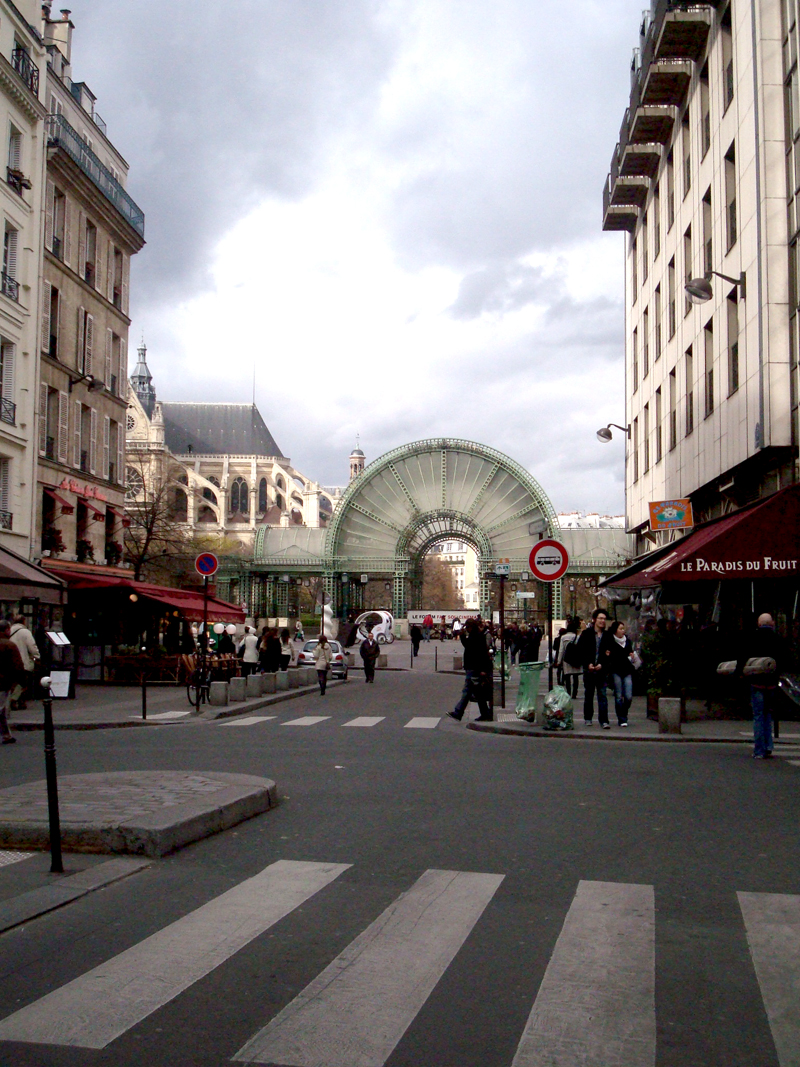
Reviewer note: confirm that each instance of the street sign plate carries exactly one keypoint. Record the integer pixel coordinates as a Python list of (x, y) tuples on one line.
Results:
[(548, 560), (526, 596), (206, 564), (364, 579), (502, 569)]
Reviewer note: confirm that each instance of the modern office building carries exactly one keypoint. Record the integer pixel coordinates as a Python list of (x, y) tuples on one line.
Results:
[(703, 181)]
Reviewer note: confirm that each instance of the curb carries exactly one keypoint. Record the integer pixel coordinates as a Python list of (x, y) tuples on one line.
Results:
[(520, 730)]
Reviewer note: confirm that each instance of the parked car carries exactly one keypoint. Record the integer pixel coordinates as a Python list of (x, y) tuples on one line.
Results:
[(338, 663), (380, 622)]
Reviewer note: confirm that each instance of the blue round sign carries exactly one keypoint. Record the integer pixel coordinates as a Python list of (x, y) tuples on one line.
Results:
[(206, 564)]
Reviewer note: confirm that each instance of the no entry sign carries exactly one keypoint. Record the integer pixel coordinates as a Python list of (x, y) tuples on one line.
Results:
[(549, 560), (206, 564)]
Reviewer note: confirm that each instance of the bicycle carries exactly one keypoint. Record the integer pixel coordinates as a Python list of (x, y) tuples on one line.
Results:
[(200, 680)]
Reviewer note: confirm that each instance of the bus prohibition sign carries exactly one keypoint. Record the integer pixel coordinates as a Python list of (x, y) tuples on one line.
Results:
[(549, 560), (206, 564)]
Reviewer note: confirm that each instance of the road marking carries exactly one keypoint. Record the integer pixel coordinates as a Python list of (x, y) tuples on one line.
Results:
[(365, 720), (596, 1003), (358, 1008), (92, 1010), (420, 722), (248, 720), (8, 856), (794, 762), (306, 720), (772, 921), (164, 715)]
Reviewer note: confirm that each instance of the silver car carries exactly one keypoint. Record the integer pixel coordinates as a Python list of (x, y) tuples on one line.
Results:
[(338, 664)]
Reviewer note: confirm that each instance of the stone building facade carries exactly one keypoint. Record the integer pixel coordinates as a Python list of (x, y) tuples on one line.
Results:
[(91, 229)]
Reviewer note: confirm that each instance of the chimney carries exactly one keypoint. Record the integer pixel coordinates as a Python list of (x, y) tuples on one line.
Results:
[(58, 31)]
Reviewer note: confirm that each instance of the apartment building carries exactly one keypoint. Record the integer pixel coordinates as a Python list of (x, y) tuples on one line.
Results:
[(704, 181), (22, 113), (92, 227)]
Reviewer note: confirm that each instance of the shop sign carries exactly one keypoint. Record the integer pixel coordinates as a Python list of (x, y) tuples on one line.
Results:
[(90, 491), (766, 566), (671, 515)]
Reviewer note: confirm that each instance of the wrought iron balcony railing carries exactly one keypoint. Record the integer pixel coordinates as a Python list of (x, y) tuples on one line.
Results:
[(6, 520), (10, 286), (61, 135), (8, 411), (26, 68)]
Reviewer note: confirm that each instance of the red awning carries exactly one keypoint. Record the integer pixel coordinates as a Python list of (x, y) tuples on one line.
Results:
[(761, 540), (98, 514), (121, 515), (66, 507)]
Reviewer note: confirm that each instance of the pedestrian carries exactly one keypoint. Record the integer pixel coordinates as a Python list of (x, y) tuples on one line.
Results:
[(443, 629), (271, 646), (477, 673), (416, 636), (556, 646), (764, 643), (286, 649), (618, 652), (298, 631), (370, 650), (248, 651), (535, 642), (323, 657), (570, 672), (29, 651), (11, 671), (458, 626), (226, 646), (594, 670), (427, 626)]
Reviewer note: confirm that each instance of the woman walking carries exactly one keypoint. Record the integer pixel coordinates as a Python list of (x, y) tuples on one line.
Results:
[(569, 673), (323, 657), (286, 649), (248, 650), (618, 652)]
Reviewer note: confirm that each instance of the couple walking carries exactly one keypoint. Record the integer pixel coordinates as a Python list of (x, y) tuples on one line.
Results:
[(603, 655)]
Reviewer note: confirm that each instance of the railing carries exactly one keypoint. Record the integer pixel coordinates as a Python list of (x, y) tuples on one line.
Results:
[(60, 134), (6, 520), (8, 411), (9, 286), (84, 462), (26, 68), (99, 123), (50, 448), (57, 248), (17, 180)]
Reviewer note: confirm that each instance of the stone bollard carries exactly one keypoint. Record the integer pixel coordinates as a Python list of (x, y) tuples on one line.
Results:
[(351, 659), (253, 685), (458, 663), (281, 680), (496, 694), (269, 683), (309, 675), (294, 679), (382, 660), (218, 694), (237, 690), (669, 715)]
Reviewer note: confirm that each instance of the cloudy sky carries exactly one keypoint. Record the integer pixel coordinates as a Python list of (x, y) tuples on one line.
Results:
[(390, 209)]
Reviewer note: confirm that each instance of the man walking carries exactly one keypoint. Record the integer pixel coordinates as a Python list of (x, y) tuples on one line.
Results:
[(427, 626), (11, 674), (594, 674), (416, 636), (478, 673), (370, 650), (29, 651), (764, 643)]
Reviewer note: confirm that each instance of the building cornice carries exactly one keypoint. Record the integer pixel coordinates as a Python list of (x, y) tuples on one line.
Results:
[(15, 88)]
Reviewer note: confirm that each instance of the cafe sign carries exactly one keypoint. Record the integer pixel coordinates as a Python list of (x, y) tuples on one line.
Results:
[(671, 515)]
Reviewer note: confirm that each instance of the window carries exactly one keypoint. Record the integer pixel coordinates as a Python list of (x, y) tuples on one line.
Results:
[(659, 416), (8, 408), (656, 222), (730, 195), (239, 497), (645, 256), (645, 343), (686, 140), (708, 367), (85, 342), (6, 517), (671, 315), (635, 361), (646, 437), (673, 409), (708, 242), (687, 266), (89, 259), (14, 175), (85, 438), (689, 364), (670, 190), (733, 343), (634, 271), (262, 496), (726, 39), (115, 268), (51, 314), (10, 284), (705, 113), (115, 368), (657, 322), (635, 449)]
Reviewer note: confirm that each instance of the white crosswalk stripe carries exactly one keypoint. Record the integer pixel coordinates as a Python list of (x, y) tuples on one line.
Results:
[(772, 921), (365, 720), (105, 1002), (360, 1006), (306, 720), (421, 722), (249, 720)]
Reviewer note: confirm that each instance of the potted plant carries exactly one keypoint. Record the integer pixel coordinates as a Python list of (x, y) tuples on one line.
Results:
[(113, 553), (660, 656), (84, 551), (52, 541)]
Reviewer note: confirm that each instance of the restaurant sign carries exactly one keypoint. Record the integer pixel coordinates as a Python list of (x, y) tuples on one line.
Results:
[(671, 515), (91, 492)]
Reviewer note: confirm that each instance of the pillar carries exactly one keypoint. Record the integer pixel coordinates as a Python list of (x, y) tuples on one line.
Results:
[(485, 599), (400, 595), (330, 584), (282, 599)]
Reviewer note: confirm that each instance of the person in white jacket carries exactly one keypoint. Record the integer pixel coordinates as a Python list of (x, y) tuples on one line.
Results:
[(323, 656), (29, 651), (248, 650)]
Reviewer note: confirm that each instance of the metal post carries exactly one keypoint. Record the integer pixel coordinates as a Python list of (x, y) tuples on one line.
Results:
[(435, 658), (549, 635), (502, 640), (56, 864), (203, 647), (412, 655)]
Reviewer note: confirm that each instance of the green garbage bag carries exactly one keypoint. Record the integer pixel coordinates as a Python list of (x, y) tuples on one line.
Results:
[(529, 674), (558, 709)]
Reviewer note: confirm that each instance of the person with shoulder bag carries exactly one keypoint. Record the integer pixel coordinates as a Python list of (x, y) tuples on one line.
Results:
[(323, 657), (569, 660)]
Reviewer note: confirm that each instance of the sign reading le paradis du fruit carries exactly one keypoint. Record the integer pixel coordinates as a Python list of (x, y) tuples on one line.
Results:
[(671, 515)]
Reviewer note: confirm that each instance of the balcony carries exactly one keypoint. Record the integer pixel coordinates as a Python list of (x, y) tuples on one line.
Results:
[(61, 135), (9, 286), (26, 68), (666, 83), (683, 33), (651, 125), (6, 520), (641, 159), (627, 192), (8, 411), (618, 216), (17, 180)]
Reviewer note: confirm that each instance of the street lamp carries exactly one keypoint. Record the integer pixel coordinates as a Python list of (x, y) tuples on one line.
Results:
[(604, 435), (699, 290)]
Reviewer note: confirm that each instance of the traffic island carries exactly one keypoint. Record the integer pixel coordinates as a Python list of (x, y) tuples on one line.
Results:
[(145, 813)]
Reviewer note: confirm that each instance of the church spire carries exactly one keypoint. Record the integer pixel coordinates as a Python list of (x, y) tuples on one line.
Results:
[(142, 382)]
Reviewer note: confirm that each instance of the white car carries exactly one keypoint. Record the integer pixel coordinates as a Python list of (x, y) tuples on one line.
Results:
[(379, 622), (305, 658)]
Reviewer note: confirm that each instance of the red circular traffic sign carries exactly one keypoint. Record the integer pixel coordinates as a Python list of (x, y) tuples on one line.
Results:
[(548, 560), (206, 564)]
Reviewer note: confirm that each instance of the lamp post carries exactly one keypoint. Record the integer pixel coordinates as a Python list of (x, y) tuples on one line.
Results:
[(699, 290), (604, 434)]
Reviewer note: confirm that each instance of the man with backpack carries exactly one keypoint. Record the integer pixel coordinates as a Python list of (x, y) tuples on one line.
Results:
[(594, 670)]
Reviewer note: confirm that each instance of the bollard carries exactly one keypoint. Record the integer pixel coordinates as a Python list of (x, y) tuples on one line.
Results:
[(253, 685), (218, 694), (56, 863), (282, 680), (436, 659), (382, 661), (669, 715), (268, 683), (294, 678), (237, 690), (458, 663)]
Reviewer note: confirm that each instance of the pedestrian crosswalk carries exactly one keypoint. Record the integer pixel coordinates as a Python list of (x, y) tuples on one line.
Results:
[(595, 1004), (418, 722)]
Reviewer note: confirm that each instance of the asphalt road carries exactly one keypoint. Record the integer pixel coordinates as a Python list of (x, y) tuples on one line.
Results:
[(605, 919)]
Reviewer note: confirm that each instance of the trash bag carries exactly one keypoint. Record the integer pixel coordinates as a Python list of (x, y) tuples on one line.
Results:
[(558, 709), (529, 674)]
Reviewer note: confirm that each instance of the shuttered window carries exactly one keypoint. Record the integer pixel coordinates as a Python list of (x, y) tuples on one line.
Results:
[(106, 446), (63, 427), (49, 216), (109, 356), (120, 472), (43, 419), (47, 296), (8, 354), (92, 440), (76, 434)]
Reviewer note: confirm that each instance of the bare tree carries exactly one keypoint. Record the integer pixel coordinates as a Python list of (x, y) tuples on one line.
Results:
[(439, 589)]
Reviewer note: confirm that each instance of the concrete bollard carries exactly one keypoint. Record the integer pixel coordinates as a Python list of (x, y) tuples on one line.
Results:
[(382, 660), (669, 715), (253, 685), (269, 683), (294, 679), (309, 675), (237, 690), (496, 694), (281, 680), (458, 663), (218, 694), (351, 659)]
